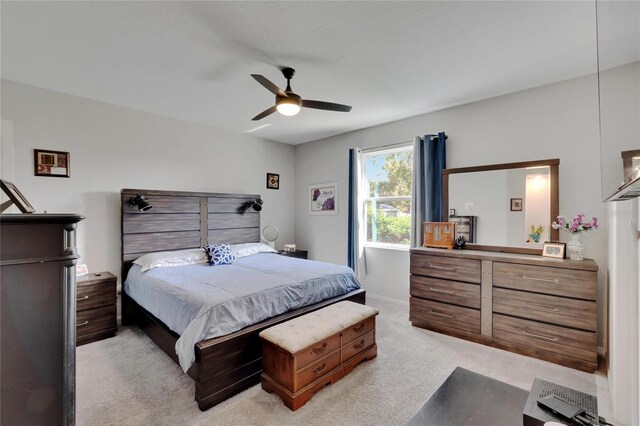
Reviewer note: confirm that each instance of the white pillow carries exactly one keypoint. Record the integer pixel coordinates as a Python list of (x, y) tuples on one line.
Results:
[(242, 250), (163, 259)]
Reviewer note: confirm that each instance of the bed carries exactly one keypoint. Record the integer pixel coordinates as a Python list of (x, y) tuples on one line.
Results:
[(229, 363)]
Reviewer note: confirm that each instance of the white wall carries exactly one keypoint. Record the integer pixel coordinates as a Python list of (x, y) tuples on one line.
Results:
[(114, 147), (623, 374), (554, 121)]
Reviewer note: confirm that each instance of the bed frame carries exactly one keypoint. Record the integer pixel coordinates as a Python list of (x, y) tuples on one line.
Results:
[(226, 365)]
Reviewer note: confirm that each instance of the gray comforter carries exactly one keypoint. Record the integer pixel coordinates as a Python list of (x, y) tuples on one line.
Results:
[(200, 301)]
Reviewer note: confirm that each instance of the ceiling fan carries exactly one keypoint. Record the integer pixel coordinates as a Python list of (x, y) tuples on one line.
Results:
[(289, 103)]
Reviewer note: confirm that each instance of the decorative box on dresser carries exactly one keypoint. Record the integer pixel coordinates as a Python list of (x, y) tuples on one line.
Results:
[(38, 326), (96, 307), (541, 307)]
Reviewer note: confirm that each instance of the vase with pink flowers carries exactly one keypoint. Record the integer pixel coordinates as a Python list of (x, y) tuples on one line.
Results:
[(575, 227)]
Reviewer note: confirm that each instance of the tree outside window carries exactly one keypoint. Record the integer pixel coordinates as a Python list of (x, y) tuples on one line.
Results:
[(388, 180)]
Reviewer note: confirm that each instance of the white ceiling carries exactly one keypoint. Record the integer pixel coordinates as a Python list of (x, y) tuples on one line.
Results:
[(389, 60)]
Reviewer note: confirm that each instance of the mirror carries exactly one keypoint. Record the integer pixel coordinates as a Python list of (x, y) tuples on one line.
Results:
[(503, 207), (618, 25)]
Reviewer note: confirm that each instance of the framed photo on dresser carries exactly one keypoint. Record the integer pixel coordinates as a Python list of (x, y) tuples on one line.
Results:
[(555, 250)]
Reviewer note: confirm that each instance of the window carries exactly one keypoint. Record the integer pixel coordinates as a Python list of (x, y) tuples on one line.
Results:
[(388, 175)]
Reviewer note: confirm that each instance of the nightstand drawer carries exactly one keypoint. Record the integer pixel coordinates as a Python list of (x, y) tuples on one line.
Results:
[(300, 254), (96, 320), (95, 295)]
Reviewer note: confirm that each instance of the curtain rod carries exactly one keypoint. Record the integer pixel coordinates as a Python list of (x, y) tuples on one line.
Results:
[(392, 145)]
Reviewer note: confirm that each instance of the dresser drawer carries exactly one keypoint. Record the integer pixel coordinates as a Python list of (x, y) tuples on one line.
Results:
[(357, 345), (316, 370), (358, 329), (454, 292), (548, 280), (559, 340), (95, 295), (95, 320), (317, 351), (422, 310), (446, 267), (553, 309)]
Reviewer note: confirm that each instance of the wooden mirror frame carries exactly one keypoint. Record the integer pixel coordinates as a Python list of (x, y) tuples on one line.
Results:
[(554, 195)]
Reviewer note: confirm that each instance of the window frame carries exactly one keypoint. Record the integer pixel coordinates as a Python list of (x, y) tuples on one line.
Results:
[(406, 146)]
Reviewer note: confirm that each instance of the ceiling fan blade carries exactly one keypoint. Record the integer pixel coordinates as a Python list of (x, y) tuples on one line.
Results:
[(269, 85), (329, 106), (265, 113)]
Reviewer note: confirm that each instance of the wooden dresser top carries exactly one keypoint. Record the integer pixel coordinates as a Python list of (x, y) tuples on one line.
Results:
[(526, 259)]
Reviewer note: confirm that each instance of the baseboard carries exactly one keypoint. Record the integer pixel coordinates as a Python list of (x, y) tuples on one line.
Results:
[(388, 299)]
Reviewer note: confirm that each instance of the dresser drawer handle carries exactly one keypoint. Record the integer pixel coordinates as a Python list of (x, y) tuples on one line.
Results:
[(82, 298), (546, 280), (82, 323), (539, 336), (437, 290), (359, 345), (320, 369), (442, 268), (319, 350), (441, 314), (539, 308), (358, 329)]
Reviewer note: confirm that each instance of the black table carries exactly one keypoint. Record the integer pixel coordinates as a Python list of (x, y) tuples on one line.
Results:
[(468, 398)]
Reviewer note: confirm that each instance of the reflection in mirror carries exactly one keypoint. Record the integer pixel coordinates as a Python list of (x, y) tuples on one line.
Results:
[(618, 25), (507, 208)]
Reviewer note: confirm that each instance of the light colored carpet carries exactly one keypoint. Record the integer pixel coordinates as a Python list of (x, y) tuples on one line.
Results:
[(127, 380)]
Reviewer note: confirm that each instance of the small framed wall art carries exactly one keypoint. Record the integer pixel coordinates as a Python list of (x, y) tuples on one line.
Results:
[(51, 163), (555, 250), (323, 198), (516, 204), (273, 181)]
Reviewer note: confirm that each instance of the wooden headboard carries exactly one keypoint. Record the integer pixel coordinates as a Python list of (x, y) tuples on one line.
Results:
[(183, 220)]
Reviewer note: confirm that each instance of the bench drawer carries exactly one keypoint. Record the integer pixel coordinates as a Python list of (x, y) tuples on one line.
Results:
[(357, 345), (316, 370), (358, 329), (317, 351)]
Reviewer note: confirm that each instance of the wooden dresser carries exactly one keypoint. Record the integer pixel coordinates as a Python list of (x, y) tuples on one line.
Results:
[(96, 307), (541, 307), (38, 325)]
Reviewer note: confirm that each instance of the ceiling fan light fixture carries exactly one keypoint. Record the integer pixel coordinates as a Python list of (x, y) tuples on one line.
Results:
[(288, 107)]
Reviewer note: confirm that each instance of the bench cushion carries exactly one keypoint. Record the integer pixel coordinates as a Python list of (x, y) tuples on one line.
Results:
[(304, 331)]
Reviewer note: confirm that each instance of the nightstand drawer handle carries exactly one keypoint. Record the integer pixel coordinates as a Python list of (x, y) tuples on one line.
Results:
[(359, 345), (82, 323), (539, 336), (82, 298), (441, 315), (546, 280), (358, 329), (437, 290), (320, 369), (442, 268), (539, 308), (319, 350)]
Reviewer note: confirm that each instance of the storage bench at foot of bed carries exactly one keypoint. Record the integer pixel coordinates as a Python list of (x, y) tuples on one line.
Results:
[(305, 354)]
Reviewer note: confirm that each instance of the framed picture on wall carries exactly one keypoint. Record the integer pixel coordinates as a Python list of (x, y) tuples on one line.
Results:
[(323, 198), (51, 163), (516, 204), (273, 181)]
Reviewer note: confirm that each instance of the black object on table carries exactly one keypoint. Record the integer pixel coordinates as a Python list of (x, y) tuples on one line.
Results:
[(534, 415), (300, 254), (468, 398)]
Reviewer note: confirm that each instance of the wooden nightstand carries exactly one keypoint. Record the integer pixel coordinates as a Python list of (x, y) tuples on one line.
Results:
[(95, 307), (300, 254)]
